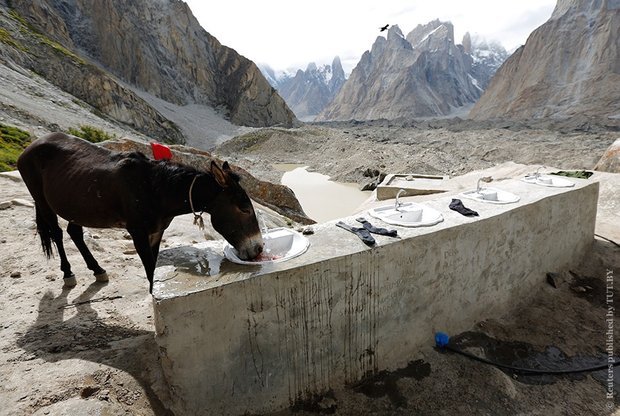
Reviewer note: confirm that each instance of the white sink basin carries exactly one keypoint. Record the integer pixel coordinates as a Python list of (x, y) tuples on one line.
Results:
[(407, 215), (548, 180), (281, 244), (492, 196)]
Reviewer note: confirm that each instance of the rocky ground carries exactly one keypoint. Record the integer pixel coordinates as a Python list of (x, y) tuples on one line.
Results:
[(356, 152)]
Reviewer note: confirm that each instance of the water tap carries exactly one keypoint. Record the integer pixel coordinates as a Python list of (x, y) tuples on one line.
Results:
[(397, 204), (260, 216), (537, 174), (485, 179)]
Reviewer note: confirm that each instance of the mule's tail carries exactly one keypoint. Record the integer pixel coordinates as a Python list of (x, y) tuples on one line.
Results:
[(45, 232)]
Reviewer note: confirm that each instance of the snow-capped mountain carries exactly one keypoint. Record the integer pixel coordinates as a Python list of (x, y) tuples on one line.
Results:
[(423, 74), (309, 91), (487, 58)]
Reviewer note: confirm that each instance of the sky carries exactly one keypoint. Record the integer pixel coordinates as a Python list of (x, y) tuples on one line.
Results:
[(289, 35)]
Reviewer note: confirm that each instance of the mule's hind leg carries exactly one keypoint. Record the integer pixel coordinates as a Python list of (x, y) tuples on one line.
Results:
[(77, 235), (47, 225), (46, 218)]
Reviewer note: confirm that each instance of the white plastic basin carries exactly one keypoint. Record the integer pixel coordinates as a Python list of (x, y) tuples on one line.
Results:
[(281, 244), (492, 196), (407, 215), (549, 180)]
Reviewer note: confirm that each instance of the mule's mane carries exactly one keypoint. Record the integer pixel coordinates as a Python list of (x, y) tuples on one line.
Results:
[(174, 172)]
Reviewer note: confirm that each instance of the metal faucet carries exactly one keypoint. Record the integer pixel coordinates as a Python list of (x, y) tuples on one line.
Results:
[(537, 174), (485, 179), (397, 204)]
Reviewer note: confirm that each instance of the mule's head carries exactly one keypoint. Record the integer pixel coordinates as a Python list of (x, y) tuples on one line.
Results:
[(232, 214)]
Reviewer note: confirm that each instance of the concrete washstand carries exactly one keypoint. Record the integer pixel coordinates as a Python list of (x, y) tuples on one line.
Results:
[(236, 339)]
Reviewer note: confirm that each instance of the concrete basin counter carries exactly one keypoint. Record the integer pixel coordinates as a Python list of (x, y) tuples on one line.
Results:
[(253, 339)]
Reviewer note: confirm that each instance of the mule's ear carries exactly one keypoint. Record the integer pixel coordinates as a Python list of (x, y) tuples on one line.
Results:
[(226, 167), (218, 174)]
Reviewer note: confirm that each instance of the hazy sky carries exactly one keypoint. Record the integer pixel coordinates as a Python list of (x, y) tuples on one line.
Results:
[(289, 34)]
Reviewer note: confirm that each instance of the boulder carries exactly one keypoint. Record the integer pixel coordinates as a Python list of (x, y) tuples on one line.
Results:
[(610, 161)]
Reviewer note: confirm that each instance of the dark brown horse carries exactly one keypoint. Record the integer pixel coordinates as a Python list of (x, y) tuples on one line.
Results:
[(90, 186)]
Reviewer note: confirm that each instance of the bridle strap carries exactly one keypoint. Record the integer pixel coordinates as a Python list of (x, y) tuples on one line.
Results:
[(197, 217)]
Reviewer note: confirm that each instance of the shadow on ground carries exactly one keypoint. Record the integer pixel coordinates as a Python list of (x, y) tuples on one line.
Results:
[(86, 336)]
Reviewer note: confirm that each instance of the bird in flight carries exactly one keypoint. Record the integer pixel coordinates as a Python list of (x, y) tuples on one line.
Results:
[(384, 28)]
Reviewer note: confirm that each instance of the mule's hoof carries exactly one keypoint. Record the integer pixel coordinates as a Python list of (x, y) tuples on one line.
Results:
[(102, 277), (69, 281)]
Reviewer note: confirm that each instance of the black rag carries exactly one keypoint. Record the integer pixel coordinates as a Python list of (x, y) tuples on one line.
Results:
[(377, 230), (457, 205), (362, 233)]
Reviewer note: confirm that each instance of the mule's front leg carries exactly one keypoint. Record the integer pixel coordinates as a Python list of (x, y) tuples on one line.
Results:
[(143, 247), (77, 235)]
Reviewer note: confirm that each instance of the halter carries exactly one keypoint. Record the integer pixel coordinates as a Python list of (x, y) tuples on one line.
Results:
[(197, 217)]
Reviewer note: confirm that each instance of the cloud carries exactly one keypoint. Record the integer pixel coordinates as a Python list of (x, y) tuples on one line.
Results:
[(515, 34)]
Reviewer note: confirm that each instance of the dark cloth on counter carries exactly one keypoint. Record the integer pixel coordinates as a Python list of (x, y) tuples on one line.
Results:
[(362, 233), (457, 205), (377, 230)]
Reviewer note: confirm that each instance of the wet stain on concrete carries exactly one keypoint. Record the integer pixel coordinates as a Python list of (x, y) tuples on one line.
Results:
[(201, 261), (384, 383)]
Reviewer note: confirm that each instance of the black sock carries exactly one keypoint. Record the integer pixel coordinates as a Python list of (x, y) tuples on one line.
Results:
[(362, 233), (377, 230), (457, 205)]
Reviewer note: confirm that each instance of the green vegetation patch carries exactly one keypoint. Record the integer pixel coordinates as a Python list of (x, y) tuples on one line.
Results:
[(7, 38), (13, 141), (13, 13), (27, 29), (59, 48), (90, 133)]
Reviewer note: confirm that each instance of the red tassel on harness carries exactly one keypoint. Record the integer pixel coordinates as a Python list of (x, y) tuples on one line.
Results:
[(161, 152)]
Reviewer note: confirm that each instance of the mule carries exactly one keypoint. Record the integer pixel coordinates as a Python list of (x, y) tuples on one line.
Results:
[(90, 186)]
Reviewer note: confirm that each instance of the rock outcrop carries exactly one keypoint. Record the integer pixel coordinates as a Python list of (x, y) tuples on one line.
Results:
[(610, 161), (279, 198), (309, 91), (155, 46), (570, 66), (27, 49), (424, 74)]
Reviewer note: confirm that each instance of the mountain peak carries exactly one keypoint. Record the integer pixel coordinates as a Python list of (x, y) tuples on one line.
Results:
[(311, 67), (309, 91), (395, 38), (467, 43), (432, 35), (428, 76), (394, 32)]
